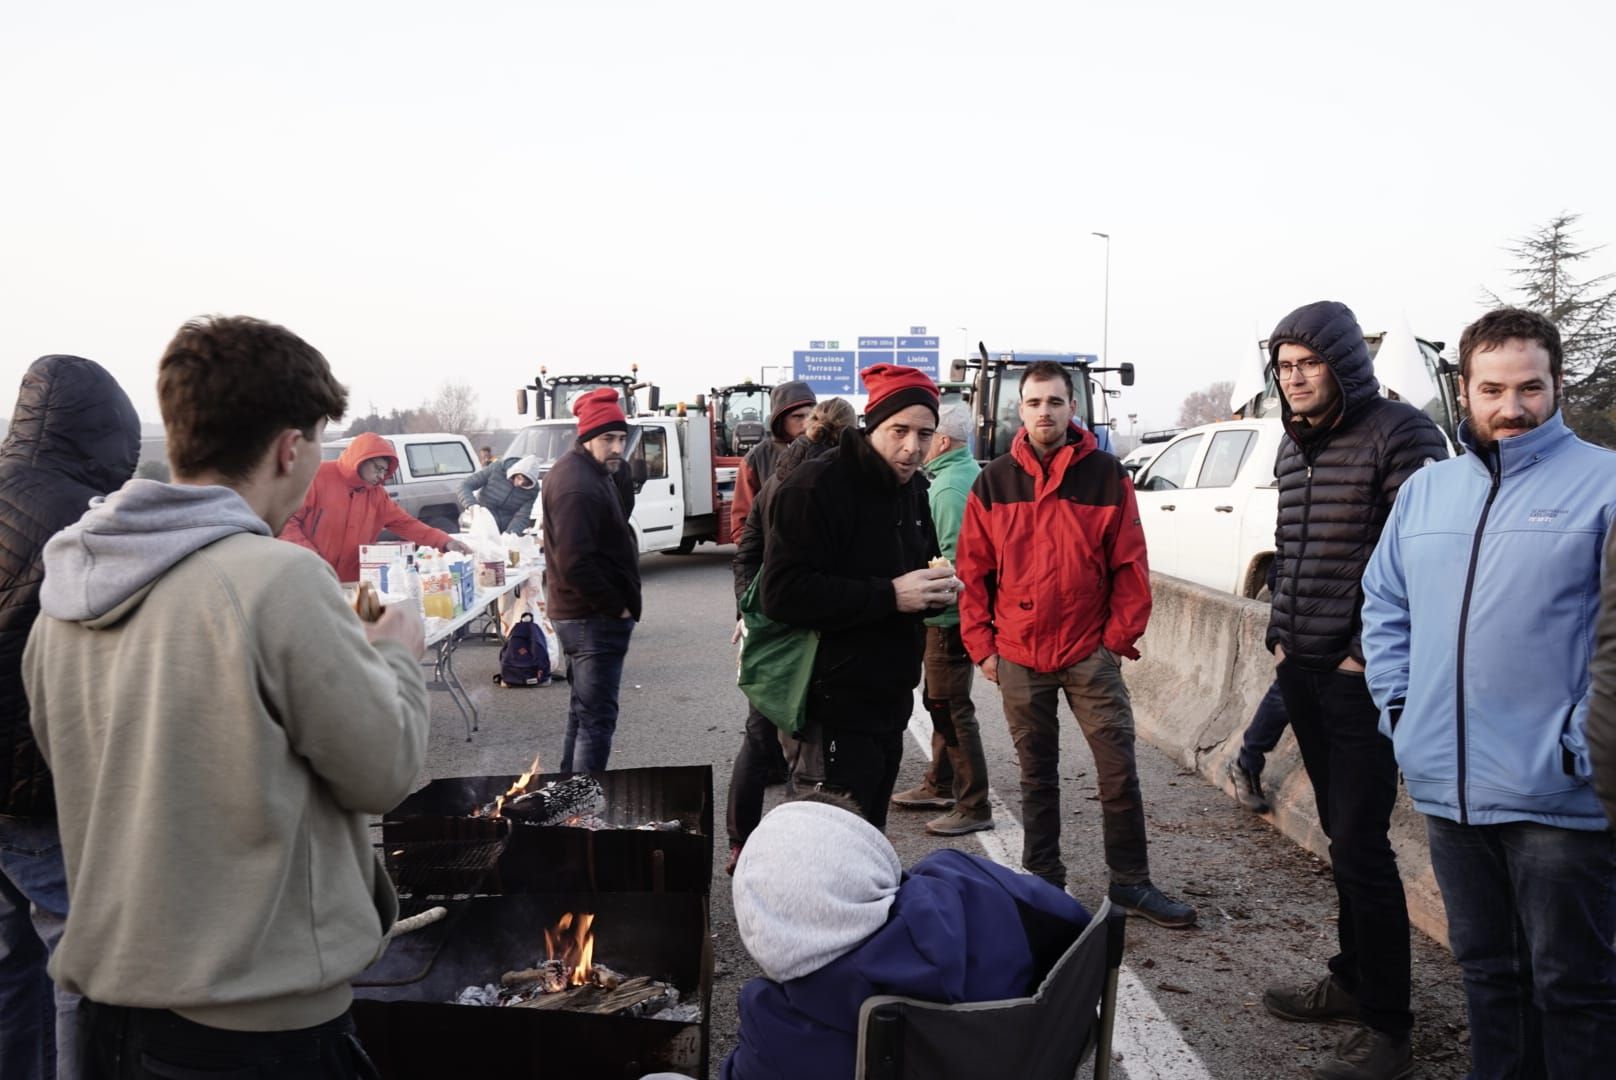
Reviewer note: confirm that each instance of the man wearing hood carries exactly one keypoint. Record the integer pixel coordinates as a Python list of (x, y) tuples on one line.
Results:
[(824, 907), (1347, 452), (74, 437), (506, 488), (790, 403), (346, 506), (1478, 623), (230, 725), (846, 544), (591, 574)]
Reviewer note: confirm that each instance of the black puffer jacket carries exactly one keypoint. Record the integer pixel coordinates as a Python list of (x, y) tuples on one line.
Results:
[(1336, 486), (492, 488), (74, 435), (838, 530)]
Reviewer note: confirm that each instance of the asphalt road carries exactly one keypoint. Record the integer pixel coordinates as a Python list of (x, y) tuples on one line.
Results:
[(1266, 906)]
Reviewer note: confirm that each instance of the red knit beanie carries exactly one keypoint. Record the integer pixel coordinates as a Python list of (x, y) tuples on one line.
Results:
[(894, 388), (598, 412)]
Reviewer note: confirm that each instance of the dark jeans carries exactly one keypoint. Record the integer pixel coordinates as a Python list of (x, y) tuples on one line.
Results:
[(1264, 731), (151, 1044), (864, 766), (1099, 699), (38, 1031), (759, 756), (1355, 784), (958, 766), (1531, 916), (595, 648)]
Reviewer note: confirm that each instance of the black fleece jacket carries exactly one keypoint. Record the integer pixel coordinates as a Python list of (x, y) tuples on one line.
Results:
[(591, 561)]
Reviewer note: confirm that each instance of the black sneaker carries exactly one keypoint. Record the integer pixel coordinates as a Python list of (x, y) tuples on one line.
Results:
[(1248, 788), (1149, 902), (1323, 1002), (1367, 1054)]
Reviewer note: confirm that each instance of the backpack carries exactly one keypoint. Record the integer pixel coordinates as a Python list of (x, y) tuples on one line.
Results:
[(523, 659)]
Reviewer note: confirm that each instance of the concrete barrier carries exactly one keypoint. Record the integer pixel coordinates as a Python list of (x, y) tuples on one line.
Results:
[(1203, 670)]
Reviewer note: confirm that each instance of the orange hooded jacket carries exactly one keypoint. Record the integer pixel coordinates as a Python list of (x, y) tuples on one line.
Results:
[(341, 511)]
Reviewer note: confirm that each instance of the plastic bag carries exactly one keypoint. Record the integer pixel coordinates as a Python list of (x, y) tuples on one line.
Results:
[(482, 535)]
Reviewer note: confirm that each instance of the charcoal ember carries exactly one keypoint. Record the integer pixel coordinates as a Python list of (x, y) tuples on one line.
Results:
[(548, 978), (557, 801), (478, 995)]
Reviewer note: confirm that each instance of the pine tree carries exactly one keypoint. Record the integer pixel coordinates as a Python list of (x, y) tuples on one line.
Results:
[(1584, 310)]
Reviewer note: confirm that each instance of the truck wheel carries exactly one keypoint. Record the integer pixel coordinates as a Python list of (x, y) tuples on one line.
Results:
[(686, 546)]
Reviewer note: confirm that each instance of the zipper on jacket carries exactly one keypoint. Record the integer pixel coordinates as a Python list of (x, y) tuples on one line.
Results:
[(1464, 625)]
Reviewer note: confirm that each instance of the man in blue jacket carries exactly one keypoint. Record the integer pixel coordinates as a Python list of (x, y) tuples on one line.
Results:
[(824, 907), (1478, 622)]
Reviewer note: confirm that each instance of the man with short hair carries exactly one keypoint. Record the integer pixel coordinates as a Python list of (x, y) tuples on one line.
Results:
[(232, 726), (485, 456), (1057, 591), (74, 437), (847, 542), (957, 780), (591, 575), (1347, 451), (1488, 562)]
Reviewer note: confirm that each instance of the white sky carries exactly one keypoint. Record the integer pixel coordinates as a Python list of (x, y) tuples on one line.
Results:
[(431, 191)]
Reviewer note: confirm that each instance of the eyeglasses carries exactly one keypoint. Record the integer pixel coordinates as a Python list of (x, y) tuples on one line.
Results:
[(1309, 368)]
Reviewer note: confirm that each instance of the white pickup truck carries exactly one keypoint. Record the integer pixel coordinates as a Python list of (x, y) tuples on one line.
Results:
[(1208, 503)]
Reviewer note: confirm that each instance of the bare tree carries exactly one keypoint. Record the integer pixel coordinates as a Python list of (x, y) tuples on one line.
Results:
[(455, 408), (1585, 312), (1206, 406)]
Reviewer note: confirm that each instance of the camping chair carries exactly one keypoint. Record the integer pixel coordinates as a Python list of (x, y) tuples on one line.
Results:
[(1043, 1037)]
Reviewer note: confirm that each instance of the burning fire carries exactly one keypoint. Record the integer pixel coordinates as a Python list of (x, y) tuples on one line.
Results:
[(572, 943), (518, 788)]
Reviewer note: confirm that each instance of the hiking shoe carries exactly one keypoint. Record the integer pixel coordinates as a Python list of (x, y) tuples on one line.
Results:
[(1323, 1002), (921, 798), (734, 857), (1248, 788), (1149, 902), (957, 823), (1367, 1054)]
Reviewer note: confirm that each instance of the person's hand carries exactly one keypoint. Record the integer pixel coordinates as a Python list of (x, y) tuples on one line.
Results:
[(990, 669), (401, 623), (459, 545), (1349, 664), (627, 614), (1279, 655), (736, 636), (927, 588)]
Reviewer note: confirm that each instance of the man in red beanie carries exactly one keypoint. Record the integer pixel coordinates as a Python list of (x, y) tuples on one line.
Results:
[(591, 575), (848, 538)]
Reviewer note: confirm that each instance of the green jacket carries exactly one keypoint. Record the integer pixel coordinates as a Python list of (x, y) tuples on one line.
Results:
[(951, 475)]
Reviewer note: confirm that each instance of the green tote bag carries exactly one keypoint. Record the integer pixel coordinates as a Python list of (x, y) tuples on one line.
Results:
[(777, 663)]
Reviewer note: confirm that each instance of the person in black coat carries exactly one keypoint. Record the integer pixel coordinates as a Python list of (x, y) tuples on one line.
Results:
[(1348, 449), (847, 539), (74, 436)]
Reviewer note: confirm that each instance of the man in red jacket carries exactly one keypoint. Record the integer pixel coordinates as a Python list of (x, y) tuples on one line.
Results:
[(346, 507), (1056, 592)]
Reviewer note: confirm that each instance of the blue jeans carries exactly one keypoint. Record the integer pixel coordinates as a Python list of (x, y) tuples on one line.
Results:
[(1262, 734), (1531, 916), (595, 649), (38, 1029)]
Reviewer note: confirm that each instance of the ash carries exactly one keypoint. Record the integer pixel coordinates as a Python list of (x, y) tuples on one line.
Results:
[(479, 995)]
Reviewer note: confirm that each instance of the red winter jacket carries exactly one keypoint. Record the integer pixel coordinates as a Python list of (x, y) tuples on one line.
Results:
[(341, 511), (1053, 562)]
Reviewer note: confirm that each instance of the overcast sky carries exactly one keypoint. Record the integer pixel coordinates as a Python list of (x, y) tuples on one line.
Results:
[(432, 191)]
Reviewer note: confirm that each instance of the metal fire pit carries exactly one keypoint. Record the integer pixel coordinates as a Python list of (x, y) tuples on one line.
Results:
[(409, 1028), (559, 858)]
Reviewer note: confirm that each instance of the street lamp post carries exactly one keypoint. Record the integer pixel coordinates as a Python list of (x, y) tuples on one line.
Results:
[(1105, 332)]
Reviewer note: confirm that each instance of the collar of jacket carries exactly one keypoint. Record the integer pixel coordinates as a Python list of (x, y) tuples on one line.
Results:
[(583, 451), (942, 462), (1519, 452), (1080, 443)]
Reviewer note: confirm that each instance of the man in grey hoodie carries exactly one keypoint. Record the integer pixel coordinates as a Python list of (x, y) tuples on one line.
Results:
[(220, 724)]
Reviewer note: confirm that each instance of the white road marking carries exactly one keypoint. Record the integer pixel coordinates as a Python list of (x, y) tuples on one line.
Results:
[(1150, 1045)]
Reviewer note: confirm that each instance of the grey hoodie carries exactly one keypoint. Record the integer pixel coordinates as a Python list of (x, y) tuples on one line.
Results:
[(126, 541)]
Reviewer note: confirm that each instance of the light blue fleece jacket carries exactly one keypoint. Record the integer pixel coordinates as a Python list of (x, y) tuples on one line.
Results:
[(1478, 625)]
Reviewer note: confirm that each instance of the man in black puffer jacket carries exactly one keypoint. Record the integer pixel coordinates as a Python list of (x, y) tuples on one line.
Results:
[(1347, 451), (74, 436), (847, 540)]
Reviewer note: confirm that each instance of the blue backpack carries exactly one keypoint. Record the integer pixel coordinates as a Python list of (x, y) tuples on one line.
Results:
[(523, 659)]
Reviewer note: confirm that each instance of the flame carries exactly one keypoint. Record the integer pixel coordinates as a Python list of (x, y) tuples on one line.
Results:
[(574, 941), (518, 788)]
